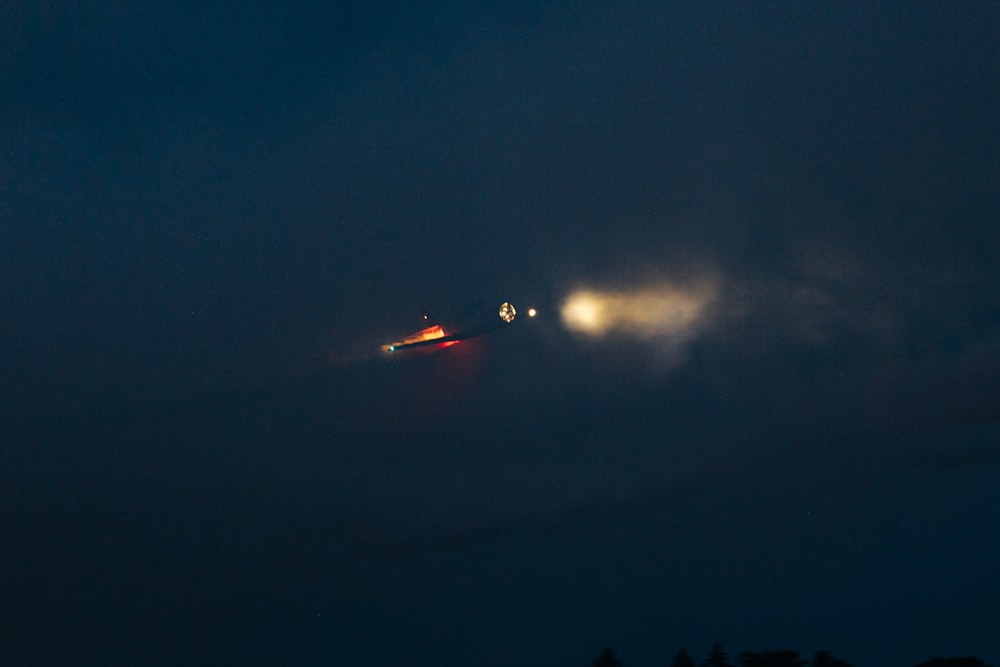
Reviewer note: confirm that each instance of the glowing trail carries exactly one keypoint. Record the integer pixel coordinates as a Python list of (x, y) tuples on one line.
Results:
[(652, 312), (436, 337), (423, 336)]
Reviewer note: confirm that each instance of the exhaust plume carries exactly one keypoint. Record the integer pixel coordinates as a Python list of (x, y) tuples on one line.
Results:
[(660, 311)]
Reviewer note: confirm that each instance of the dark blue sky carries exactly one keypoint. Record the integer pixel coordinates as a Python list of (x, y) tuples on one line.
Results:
[(211, 218)]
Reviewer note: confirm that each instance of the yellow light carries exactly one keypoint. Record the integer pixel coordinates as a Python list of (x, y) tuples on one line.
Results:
[(532, 312), (651, 312), (584, 312), (507, 312)]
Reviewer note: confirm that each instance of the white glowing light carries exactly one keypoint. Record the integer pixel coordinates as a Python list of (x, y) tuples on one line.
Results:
[(532, 312), (583, 311), (652, 312)]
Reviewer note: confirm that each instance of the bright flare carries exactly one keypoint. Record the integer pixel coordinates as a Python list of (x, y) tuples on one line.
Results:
[(653, 312)]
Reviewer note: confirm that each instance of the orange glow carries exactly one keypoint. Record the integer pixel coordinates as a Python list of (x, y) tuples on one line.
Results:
[(430, 333)]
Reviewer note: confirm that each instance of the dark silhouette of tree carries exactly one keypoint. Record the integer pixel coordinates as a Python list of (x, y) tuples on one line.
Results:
[(826, 659), (607, 658), (964, 661), (682, 659), (716, 658), (783, 658)]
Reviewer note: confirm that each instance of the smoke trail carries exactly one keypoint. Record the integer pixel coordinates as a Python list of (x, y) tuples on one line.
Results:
[(655, 312)]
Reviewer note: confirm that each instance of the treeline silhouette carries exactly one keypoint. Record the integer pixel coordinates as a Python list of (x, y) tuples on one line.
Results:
[(717, 657)]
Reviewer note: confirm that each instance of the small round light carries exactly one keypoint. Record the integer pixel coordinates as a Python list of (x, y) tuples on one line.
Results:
[(532, 312)]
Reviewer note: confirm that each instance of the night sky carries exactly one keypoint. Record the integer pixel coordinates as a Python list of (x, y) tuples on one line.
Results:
[(777, 424)]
